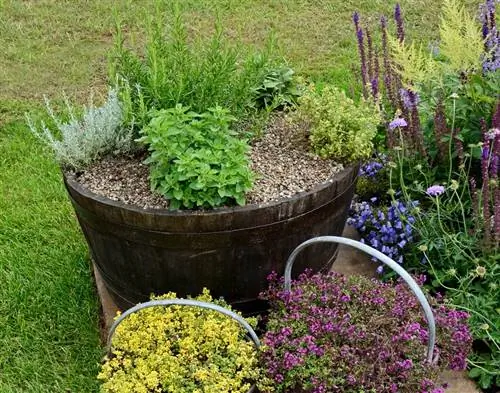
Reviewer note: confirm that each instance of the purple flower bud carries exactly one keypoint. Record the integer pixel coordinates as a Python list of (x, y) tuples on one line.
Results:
[(398, 122), (355, 18), (374, 85), (435, 190), (399, 23)]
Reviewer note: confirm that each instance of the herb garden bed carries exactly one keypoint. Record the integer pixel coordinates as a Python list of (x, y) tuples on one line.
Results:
[(282, 162), (349, 262), (235, 202)]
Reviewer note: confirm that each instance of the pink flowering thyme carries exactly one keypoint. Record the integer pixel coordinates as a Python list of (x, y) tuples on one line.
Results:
[(333, 334)]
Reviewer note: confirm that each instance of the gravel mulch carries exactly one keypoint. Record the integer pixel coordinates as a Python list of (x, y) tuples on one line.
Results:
[(280, 159), (284, 165), (123, 179)]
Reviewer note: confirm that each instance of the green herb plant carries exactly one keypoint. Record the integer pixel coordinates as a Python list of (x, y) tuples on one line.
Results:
[(340, 129), (196, 161), (181, 349), (279, 89), (179, 69)]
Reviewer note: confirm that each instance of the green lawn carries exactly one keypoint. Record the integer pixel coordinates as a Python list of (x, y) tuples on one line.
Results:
[(49, 337)]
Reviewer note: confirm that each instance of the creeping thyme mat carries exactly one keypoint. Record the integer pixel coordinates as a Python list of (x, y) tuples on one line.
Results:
[(281, 161)]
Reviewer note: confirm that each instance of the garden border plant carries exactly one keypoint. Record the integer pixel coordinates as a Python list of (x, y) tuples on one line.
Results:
[(182, 345), (442, 154), (321, 339)]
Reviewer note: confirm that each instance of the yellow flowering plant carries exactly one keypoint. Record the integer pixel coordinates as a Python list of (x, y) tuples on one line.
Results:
[(180, 349)]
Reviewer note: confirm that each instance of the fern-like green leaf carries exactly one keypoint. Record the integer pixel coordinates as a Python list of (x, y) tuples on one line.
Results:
[(461, 40), (413, 64)]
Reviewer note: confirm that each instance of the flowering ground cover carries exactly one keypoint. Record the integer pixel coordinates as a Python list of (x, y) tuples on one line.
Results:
[(332, 333)]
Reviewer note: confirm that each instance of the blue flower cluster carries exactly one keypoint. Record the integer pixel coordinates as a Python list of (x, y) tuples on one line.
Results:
[(387, 229), (370, 169)]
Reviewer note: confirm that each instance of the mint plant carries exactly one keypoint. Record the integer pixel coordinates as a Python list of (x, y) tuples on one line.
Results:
[(196, 161)]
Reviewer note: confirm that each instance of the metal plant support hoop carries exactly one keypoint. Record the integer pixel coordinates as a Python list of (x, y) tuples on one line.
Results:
[(429, 316), (185, 302)]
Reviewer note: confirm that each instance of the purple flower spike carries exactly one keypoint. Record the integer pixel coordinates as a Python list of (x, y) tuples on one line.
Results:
[(491, 36), (434, 191), (374, 84), (398, 122), (495, 121), (383, 22), (399, 23), (362, 58), (355, 18), (484, 17), (410, 98)]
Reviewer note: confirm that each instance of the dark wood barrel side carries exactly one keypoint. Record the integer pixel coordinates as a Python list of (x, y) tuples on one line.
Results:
[(230, 251)]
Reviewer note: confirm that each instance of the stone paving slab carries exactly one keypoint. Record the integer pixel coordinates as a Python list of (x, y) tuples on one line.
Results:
[(349, 261)]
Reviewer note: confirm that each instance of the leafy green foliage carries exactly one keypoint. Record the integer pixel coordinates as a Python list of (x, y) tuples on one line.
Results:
[(449, 100), (460, 49), (278, 89), (460, 37), (176, 69), (196, 160), (474, 98), (340, 129), (83, 141)]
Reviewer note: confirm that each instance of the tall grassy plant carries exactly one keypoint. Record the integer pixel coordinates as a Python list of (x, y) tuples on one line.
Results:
[(176, 69)]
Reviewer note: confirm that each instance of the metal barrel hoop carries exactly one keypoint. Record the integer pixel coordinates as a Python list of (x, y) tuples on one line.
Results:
[(429, 316)]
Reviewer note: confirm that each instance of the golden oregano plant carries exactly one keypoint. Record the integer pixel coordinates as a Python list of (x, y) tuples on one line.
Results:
[(181, 349), (340, 129)]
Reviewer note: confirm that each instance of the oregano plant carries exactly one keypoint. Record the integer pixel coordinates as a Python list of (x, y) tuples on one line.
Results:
[(196, 160), (340, 129)]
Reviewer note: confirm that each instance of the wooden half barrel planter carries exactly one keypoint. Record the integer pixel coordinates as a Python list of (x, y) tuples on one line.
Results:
[(231, 251)]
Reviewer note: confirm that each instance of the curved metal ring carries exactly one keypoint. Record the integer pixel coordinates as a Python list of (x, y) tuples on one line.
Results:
[(429, 316), (183, 302)]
